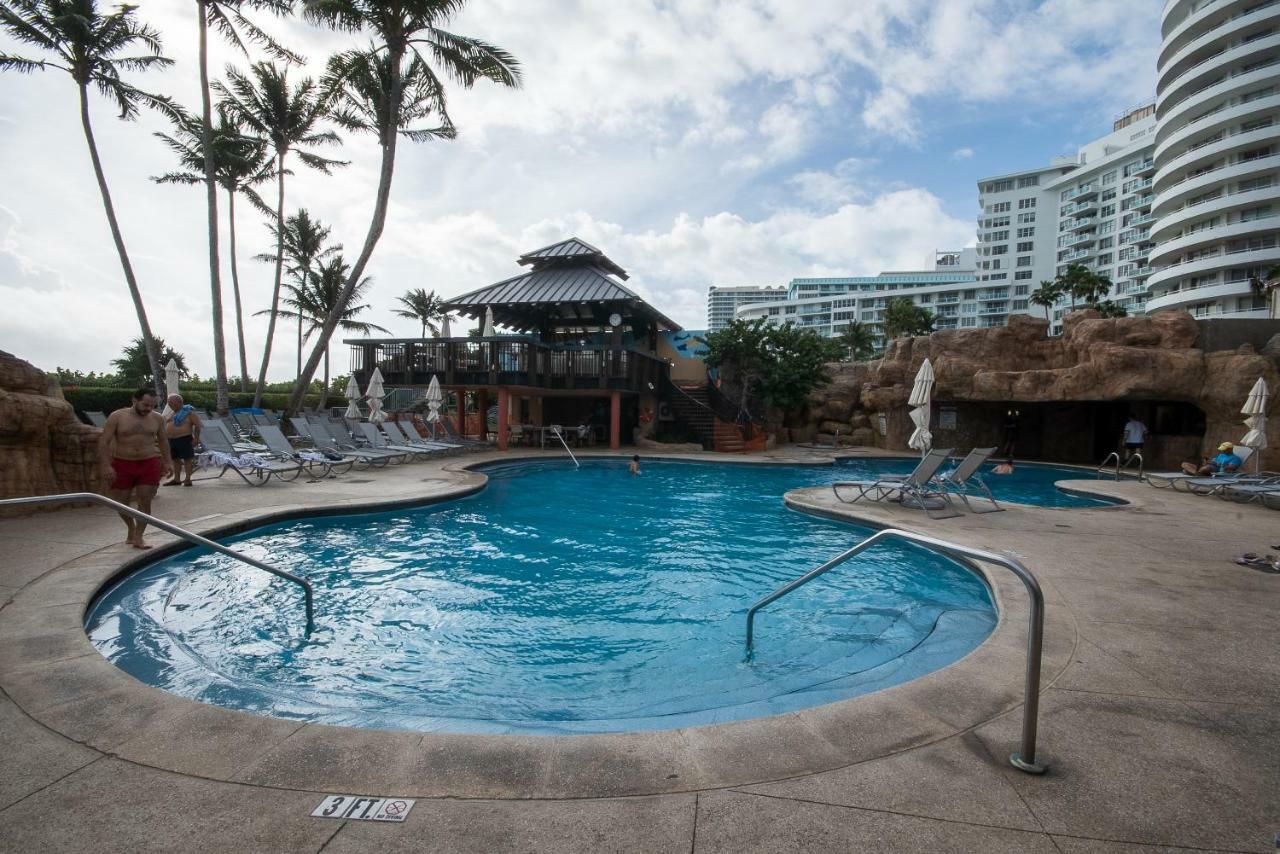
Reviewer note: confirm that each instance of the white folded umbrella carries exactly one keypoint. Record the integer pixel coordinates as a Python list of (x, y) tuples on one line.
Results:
[(1255, 406), (921, 398)]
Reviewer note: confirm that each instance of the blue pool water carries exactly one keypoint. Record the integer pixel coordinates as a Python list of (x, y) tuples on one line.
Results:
[(554, 601)]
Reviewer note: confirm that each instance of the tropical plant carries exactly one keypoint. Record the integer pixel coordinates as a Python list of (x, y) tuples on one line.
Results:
[(288, 118), (778, 365), (388, 87), (240, 163), (1267, 288), (228, 18), (304, 242), (858, 339), (314, 302), (904, 317), (1108, 308), (87, 45), (133, 366), (1082, 285), (1046, 296), (423, 306)]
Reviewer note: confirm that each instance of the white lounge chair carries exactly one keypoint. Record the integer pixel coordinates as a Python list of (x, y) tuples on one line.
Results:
[(219, 448), (965, 481), (327, 441), (1176, 479), (1266, 492), (318, 463), (379, 442), (916, 489), (401, 436)]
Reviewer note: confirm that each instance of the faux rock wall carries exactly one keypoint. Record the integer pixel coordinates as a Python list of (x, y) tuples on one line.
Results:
[(1096, 360), (44, 449)]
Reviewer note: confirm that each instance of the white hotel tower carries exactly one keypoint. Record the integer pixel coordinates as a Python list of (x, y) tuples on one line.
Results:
[(1217, 156)]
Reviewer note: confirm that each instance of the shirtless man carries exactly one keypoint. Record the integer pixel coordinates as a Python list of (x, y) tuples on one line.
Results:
[(183, 427), (133, 454)]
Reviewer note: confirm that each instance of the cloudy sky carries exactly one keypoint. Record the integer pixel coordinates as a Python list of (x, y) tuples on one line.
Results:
[(697, 142)]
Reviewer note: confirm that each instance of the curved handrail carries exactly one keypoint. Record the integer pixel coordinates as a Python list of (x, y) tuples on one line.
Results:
[(555, 429), (1102, 468), (1141, 465), (1025, 759), (181, 533)]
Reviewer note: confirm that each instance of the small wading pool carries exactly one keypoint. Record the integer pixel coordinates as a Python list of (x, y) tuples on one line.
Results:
[(554, 601)]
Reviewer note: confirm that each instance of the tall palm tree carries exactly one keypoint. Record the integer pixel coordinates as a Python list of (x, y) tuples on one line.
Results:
[(288, 118), (390, 86), (240, 163), (1045, 296), (305, 242), (227, 16), (423, 306), (314, 302), (87, 45)]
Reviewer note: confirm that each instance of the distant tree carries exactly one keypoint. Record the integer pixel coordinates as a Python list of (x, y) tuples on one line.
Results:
[(304, 240), (1267, 288), (1083, 285), (1107, 308), (93, 48), (1046, 296), (904, 317), (858, 340), (778, 365), (134, 368), (423, 306)]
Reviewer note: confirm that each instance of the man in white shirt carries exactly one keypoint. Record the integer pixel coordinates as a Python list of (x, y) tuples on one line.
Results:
[(1135, 436)]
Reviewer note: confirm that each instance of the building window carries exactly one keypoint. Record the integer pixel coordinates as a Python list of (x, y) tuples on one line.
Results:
[(1002, 207), (1022, 274), (1026, 247), (1021, 290), (1025, 260), (1026, 217), (1025, 204), (1019, 305), (1000, 250), (1026, 232), (1109, 178), (999, 186), (1029, 181)]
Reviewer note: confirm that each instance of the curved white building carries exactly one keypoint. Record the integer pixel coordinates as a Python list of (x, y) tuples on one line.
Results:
[(1216, 185)]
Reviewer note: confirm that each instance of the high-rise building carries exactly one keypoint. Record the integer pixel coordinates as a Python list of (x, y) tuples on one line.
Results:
[(723, 301), (949, 289), (1217, 158)]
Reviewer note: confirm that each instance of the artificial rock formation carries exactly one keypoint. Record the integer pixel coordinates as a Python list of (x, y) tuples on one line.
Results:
[(1128, 359), (44, 449)]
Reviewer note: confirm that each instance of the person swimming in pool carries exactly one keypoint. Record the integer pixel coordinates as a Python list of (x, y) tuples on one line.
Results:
[(634, 467)]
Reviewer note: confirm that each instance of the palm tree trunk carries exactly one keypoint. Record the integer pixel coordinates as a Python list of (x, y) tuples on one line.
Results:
[(299, 373), (324, 393), (211, 192), (235, 290), (389, 135), (148, 340), (275, 290)]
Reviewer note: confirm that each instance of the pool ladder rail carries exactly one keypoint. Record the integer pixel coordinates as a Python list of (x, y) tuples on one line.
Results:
[(1024, 759), (1121, 467), (555, 429), (181, 533)]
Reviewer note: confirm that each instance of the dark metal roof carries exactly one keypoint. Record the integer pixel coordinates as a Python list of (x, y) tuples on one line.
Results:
[(570, 284), (572, 250)]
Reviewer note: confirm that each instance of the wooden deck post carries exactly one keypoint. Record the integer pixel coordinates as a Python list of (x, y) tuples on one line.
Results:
[(462, 410), (615, 420), (482, 403), (504, 410)]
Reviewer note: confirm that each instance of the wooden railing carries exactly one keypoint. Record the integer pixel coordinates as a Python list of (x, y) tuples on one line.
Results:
[(505, 360)]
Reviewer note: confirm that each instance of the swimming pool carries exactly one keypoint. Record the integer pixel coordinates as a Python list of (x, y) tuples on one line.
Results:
[(554, 601)]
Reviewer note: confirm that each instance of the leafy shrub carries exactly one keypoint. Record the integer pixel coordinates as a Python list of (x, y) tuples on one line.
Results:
[(109, 399)]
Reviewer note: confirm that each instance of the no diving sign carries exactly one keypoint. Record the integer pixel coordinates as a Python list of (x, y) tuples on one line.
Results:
[(354, 808)]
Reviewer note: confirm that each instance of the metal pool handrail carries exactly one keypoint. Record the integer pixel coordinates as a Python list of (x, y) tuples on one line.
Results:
[(555, 429), (1025, 759), (181, 533)]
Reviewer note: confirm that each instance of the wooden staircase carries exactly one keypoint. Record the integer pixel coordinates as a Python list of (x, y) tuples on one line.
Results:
[(691, 405)]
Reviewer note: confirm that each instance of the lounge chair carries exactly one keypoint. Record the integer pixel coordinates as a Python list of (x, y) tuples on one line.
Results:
[(241, 445), (379, 442), (965, 481), (97, 419), (916, 489), (451, 431), (1178, 479), (219, 448), (1265, 491), (401, 436), (318, 463), (329, 443)]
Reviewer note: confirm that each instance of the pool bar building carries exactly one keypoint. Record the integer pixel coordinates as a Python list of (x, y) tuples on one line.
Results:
[(581, 349)]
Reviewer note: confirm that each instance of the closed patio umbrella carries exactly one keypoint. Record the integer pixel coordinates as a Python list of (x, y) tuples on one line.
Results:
[(1255, 406), (352, 395), (374, 394), (921, 398), (434, 398), (445, 331), (171, 372), (487, 330)]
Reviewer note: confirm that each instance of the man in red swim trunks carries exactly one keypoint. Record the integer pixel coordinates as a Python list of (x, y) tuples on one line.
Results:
[(133, 454)]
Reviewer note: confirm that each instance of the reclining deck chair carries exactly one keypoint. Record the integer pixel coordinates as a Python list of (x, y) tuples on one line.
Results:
[(318, 463), (916, 489), (1178, 479), (326, 441), (218, 446), (965, 481), (401, 436), (379, 442)]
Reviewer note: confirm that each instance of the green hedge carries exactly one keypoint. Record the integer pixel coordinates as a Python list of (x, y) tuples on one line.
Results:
[(86, 399)]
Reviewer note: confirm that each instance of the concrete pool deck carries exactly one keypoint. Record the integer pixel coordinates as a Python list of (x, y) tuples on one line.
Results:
[(1159, 718)]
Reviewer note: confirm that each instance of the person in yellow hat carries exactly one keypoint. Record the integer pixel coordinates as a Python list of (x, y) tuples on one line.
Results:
[(1224, 463)]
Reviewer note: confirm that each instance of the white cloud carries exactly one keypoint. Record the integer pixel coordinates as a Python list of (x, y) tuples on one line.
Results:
[(962, 153)]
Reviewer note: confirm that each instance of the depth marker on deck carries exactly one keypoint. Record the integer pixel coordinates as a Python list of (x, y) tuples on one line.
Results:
[(358, 808)]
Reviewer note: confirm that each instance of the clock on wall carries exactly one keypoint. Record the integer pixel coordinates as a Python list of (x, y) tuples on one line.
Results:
[(615, 319)]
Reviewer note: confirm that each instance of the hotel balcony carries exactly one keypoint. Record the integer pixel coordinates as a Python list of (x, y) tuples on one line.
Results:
[(1082, 223)]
